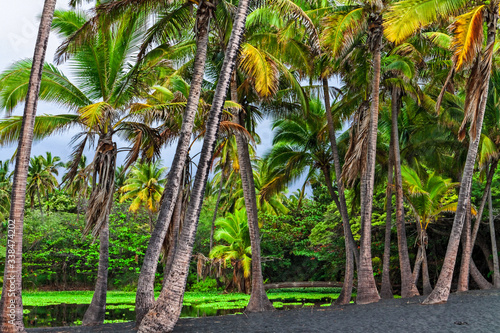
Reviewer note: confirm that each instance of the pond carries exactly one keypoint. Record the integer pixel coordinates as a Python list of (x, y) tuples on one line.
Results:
[(71, 314)]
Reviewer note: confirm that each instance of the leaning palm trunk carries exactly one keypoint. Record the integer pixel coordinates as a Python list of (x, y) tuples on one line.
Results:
[(11, 306), (145, 287), (386, 289), (367, 289), (99, 207), (216, 208), (494, 250), (166, 311), (463, 277), (350, 245), (258, 297), (408, 288), (477, 92)]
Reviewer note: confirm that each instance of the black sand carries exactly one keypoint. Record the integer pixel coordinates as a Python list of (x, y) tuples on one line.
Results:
[(473, 311)]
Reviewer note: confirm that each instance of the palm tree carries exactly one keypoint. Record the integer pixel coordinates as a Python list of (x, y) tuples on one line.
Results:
[(169, 23), (145, 186), (233, 230), (101, 101), (301, 144), (11, 292), (158, 319), (78, 188), (426, 193), (351, 21), (40, 180), (468, 38)]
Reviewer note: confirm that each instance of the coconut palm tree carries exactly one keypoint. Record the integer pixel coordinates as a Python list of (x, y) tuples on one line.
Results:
[(78, 188), (13, 322), (145, 186), (40, 180), (404, 18), (101, 99), (233, 230), (158, 319), (425, 192), (301, 145)]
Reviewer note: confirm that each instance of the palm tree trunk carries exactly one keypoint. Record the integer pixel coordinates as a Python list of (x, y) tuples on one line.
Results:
[(11, 306), (258, 297), (338, 172), (39, 202), (100, 203), (417, 266), (97, 309), (426, 281), (478, 277), (165, 312), (212, 229), (350, 245), (367, 289), (173, 234), (408, 288), (145, 287), (442, 290), (494, 250), (463, 277), (487, 189), (386, 289)]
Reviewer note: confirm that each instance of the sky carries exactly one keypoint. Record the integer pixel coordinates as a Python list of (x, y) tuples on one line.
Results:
[(19, 26)]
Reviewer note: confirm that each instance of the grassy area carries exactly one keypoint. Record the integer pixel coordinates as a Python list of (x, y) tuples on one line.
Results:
[(126, 299)]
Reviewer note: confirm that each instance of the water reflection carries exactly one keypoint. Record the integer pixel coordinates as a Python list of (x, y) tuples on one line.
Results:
[(71, 314)]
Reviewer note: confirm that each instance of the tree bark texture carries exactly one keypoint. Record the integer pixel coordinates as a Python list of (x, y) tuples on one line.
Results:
[(386, 288), (145, 287), (351, 250), (258, 297), (96, 312), (463, 277), (367, 289), (442, 289), (216, 208), (11, 306), (494, 250), (163, 316), (408, 287)]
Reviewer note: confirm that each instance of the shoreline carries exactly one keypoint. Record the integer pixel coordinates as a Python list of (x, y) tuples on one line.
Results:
[(470, 311)]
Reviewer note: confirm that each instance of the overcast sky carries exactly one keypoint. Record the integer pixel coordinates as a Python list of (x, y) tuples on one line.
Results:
[(19, 21)]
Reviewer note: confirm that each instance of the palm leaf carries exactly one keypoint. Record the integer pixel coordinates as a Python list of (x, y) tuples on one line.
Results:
[(467, 37)]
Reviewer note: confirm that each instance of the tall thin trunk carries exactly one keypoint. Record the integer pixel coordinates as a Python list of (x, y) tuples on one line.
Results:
[(408, 288), (97, 309), (216, 208), (145, 287), (11, 306), (386, 288), (417, 266), (39, 202), (350, 245), (165, 312), (258, 297), (463, 277), (442, 290), (426, 281), (367, 289), (100, 202), (487, 188), (494, 250)]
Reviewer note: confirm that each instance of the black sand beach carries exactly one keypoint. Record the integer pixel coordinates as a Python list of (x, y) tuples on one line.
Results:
[(473, 311)]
